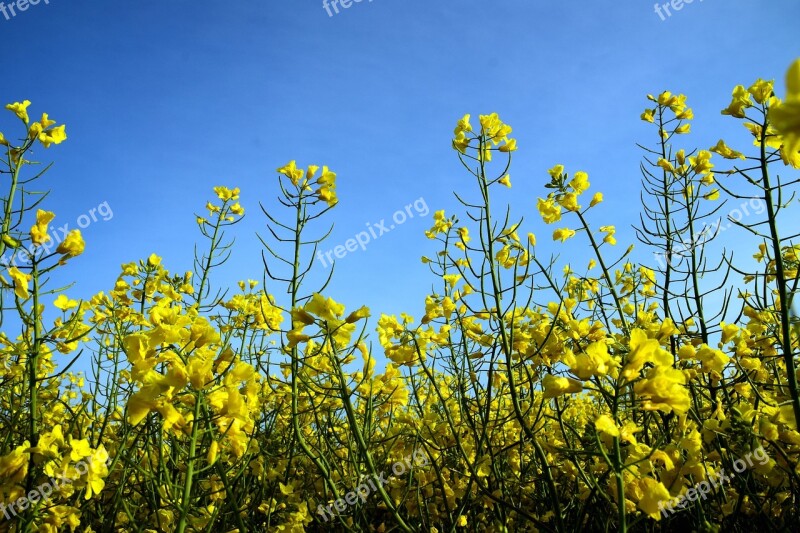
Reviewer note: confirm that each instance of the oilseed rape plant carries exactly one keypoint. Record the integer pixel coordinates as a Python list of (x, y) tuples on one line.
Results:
[(531, 395)]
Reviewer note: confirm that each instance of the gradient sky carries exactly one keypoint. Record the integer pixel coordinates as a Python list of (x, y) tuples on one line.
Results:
[(165, 99)]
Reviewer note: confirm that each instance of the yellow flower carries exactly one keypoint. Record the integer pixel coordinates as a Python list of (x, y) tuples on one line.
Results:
[(358, 314), (708, 180), (594, 361), (80, 449), (461, 142), (199, 371), (761, 90), (225, 194), (609, 231), (728, 331), (701, 163), (653, 493), (49, 443), (791, 159), (596, 199), (627, 432), (488, 122), (505, 180), (786, 116), (579, 182), (678, 104), (14, 466), (73, 244), (793, 81), (722, 149), (64, 303), (643, 350), (39, 233), (291, 171), (327, 192), (683, 128), (237, 209), (741, 101), (663, 390), (713, 360), (45, 121), (605, 424), (556, 386), (141, 403), (328, 196), (463, 125), (569, 201), (20, 109), (34, 130), (53, 136), (556, 171), (550, 211), (562, 234), (97, 470), (213, 451), (686, 351), (665, 98), (21, 281), (326, 309), (666, 165), (301, 318), (327, 177), (509, 146), (494, 128), (295, 337), (648, 114), (311, 171)]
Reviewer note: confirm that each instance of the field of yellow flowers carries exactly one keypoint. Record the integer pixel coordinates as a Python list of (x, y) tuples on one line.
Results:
[(526, 398)]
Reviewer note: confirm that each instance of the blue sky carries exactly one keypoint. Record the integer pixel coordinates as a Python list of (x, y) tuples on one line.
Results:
[(164, 100)]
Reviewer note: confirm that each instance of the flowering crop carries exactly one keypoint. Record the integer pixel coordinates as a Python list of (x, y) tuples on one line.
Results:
[(530, 400)]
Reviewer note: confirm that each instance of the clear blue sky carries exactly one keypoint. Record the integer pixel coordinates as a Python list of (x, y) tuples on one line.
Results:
[(165, 99)]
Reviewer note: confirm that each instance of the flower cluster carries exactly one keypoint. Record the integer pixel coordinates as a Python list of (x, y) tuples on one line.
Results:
[(304, 181)]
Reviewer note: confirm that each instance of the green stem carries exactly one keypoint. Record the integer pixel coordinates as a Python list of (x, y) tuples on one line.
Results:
[(783, 296), (187, 489), (294, 288), (506, 345)]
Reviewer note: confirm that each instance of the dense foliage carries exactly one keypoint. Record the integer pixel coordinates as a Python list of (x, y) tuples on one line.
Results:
[(530, 396)]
